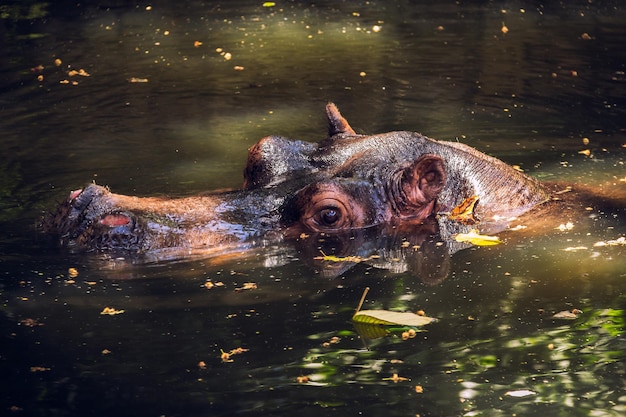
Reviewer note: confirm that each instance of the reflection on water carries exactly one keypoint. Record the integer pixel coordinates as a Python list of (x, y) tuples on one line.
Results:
[(529, 96)]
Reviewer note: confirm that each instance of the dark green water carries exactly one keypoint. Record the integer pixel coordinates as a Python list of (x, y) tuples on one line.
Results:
[(529, 96)]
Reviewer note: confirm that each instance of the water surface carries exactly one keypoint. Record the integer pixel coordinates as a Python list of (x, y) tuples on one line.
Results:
[(171, 96)]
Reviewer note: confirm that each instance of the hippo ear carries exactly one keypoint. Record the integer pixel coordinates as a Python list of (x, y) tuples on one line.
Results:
[(417, 186), (337, 124)]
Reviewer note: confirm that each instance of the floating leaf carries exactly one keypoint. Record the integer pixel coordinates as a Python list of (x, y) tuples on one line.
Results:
[(370, 331), (332, 258), (464, 212), (390, 318), (567, 315), (371, 323), (477, 239)]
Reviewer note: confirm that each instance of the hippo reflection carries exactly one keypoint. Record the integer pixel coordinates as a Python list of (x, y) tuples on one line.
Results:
[(389, 184)]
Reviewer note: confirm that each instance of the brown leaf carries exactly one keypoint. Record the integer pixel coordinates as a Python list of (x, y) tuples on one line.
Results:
[(464, 212)]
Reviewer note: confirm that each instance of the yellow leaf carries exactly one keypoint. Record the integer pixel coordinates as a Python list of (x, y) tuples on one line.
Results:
[(332, 258), (477, 239)]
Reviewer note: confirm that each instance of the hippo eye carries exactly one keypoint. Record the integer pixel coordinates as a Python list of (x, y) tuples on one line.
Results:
[(329, 216), (330, 208)]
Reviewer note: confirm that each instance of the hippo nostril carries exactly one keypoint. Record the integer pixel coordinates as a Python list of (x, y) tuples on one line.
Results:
[(114, 220), (74, 194)]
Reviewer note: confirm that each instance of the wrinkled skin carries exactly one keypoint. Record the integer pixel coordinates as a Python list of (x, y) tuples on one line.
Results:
[(348, 183)]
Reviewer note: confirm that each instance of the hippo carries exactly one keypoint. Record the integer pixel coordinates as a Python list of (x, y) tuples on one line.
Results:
[(381, 184)]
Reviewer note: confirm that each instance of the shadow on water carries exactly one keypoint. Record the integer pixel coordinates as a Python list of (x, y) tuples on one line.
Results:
[(547, 96)]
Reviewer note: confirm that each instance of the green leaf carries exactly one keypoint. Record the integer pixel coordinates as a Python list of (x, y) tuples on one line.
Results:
[(370, 331), (389, 318)]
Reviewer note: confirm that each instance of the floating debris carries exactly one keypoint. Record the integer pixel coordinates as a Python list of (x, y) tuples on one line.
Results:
[(109, 311), (520, 393), (575, 248), (620, 241), (395, 378), (565, 227), (247, 286), (30, 322), (80, 72), (226, 356), (567, 315)]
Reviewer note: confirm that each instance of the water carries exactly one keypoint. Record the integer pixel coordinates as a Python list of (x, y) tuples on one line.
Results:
[(529, 96)]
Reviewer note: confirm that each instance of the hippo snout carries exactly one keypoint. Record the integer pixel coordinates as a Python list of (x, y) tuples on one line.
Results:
[(90, 219)]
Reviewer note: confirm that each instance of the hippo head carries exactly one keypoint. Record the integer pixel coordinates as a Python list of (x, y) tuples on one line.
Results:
[(347, 182)]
